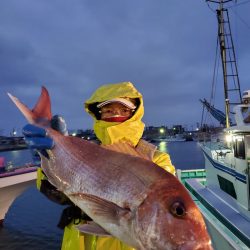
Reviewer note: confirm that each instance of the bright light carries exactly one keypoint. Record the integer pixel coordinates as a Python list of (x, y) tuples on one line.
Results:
[(74, 134), (162, 130), (229, 138)]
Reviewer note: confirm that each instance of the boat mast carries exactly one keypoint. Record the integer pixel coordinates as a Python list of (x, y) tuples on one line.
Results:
[(221, 35), (228, 58)]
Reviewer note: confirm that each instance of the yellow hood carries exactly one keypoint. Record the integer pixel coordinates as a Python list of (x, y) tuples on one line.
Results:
[(112, 132)]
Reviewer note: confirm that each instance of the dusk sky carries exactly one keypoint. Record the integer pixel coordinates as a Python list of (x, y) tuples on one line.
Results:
[(166, 48)]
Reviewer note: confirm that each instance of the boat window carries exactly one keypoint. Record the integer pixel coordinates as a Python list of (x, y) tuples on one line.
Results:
[(227, 186), (247, 144), (239, 148)]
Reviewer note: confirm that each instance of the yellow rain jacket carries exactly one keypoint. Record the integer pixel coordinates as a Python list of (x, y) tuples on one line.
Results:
[(114, 135), (124, 137)]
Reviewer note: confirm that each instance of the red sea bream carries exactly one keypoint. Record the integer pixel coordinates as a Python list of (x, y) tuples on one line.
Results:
[(127, 197)]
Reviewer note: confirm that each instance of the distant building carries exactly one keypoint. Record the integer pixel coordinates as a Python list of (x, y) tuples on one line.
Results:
[(178, 129), (84, 134)]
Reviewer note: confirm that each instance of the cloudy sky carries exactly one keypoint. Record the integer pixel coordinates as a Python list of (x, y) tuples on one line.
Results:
[(165, 47)]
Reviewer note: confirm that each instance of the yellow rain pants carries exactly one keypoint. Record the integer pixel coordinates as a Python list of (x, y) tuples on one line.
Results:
[(74, 240)]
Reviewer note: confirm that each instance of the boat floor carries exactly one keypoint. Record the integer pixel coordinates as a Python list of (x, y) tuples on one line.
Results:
[(225, 209)]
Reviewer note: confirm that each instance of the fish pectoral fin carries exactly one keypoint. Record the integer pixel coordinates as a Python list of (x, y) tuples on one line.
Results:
[(105, 210), (93, 229)]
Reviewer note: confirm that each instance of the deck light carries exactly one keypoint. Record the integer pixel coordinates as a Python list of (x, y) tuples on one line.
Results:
[(229, 138)]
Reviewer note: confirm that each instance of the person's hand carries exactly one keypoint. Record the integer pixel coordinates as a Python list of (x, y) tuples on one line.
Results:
[(58, 123), (36, 137)]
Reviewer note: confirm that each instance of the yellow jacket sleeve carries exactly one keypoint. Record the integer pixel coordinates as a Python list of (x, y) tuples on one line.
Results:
[(163, 160), (40, 176)]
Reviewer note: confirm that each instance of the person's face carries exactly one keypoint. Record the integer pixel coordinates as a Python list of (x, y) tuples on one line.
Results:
[(115, 109)]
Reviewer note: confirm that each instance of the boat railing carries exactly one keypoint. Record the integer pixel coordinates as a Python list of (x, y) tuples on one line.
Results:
[(221, 154), (199, 174)]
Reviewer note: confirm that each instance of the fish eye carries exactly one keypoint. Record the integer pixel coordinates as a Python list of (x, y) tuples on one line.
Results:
[(178, 209)]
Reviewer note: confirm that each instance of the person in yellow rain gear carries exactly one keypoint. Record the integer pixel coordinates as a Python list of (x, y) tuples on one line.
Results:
[(117, 110)]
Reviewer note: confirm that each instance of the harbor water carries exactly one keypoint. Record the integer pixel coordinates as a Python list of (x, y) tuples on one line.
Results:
[(31, 222)]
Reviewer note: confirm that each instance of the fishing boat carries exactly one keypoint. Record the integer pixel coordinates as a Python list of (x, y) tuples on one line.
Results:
[(222, 189), (175, 138), (169, 138), (13, 181)]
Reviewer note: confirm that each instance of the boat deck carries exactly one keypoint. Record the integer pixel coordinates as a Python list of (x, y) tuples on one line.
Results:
[(225, 210)]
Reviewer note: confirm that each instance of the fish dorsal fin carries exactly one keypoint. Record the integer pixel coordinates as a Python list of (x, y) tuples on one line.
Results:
[(123, 147), (42, 108), (93, 229), (143, 149)]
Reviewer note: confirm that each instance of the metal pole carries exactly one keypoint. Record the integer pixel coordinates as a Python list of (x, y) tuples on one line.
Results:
[(221, 34)]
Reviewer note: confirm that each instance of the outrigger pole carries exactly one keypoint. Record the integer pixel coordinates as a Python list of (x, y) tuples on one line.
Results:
[(228, 58)]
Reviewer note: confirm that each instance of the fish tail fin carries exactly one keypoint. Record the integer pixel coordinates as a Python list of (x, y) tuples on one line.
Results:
[(41, 111)]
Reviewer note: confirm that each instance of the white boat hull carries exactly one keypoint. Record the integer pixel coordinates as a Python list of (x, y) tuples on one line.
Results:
[(11, 187)]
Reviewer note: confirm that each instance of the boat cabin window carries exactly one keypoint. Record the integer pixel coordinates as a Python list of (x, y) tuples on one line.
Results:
[(247, 144), (245, 114), (239, 147)]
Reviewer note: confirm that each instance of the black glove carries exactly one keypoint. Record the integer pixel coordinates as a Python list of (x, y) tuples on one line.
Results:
[(72, 213), (53, 194)]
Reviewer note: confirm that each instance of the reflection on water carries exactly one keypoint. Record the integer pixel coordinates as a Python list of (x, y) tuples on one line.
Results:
[(186, 155), (17, 157), (163, 146), (30, 223)]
